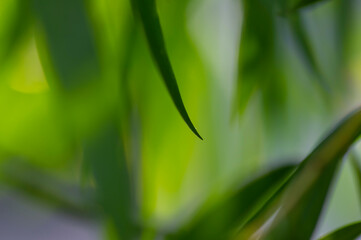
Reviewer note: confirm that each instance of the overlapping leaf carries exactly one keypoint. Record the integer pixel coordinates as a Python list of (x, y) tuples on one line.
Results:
[(302, 201), (220, 220)]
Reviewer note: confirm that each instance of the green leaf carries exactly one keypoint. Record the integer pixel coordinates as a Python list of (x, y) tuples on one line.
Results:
[(349, 232), (257, 52), (300, 204), (69, 41), (106, 159), (38, 185), (357, 170), (16, 32), (147, 11), (305, 47), (235, 210)]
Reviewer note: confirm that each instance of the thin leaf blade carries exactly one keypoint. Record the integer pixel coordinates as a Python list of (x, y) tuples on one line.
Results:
[(147, 11)]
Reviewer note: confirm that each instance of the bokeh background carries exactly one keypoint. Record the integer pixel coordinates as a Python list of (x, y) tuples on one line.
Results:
[(261, 87)]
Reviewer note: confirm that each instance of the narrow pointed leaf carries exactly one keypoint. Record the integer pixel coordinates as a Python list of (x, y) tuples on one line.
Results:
[(147, 11), (304, 196), (69, 41), (106, 159), (349, 232), (220, 220)]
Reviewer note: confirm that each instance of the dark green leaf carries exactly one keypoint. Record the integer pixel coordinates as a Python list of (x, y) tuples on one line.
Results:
[(349, 232), (303, 199), (69, 40), (147, 11), (105, 156), (220, 220)]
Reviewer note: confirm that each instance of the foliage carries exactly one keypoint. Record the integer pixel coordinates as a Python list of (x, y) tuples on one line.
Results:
[(81, 84)]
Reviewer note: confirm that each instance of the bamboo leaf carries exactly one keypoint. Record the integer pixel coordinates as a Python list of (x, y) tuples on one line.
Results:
[(106, 159), (220, 220), (300, 204), (69, 41), (147, 11), (349, 232)]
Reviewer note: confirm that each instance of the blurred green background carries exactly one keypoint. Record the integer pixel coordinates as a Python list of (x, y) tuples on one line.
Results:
[(262, 88)]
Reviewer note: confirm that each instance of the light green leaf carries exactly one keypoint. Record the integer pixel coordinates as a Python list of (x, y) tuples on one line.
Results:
[(349, 232), (147, 11)]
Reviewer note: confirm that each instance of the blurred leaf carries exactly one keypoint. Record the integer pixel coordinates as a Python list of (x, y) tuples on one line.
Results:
[(220, 220), (47, 189), (349, 232), (304, 3), (147, 11), (69, 40), (305, 47), (303, 199), (357, 170), (16, 31), (106, 159), (257, 50)]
